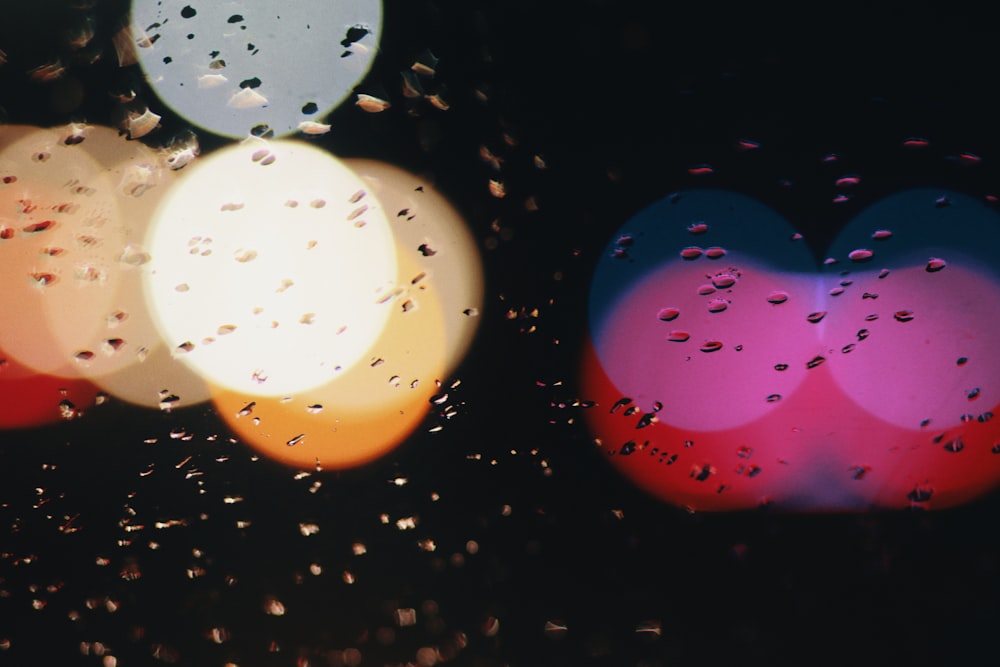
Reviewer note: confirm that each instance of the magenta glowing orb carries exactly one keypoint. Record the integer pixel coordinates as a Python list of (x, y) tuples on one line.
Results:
[(731, 369)]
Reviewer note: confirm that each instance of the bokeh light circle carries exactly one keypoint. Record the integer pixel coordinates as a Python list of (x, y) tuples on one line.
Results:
[(867, 380), (76, 203), (366, 411), (270, 270), (58, 237), (231, 67)]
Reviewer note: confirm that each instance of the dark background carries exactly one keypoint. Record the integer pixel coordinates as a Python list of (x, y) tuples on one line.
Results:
[(620, 99)]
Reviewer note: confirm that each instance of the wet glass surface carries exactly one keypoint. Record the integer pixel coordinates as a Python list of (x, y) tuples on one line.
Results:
[(438, 332)]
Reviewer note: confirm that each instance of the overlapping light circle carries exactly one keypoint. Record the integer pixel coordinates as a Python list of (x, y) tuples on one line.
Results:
[(230, 67), (320, 303), (370, 408), (60, 233), (271, 270), (75, 204), (730, 369)]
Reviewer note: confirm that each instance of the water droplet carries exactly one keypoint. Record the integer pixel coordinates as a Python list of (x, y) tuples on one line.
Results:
[(935, 264), (881, 234), (860, 255), (312, 127), (871, 317), (903, 315), (115, 318), (847, 181), (715, 252), (668, 314), (961, 361), (747, 145), (883, 273), (859, 472), (247, 410), (816, 316), (973, 394), (645, 420), (67, 409), (921, 493), (134, 255), (774, 398), (697, 228), (863, 333), (43, 279), (39, 226), (724, 280), (677, 336), (706, 289), (296, 440), (717, 305), (691, 252), (620, 403), (837, 291), (711, 346), (777, 297), (954, 445), (87, 273), (702, 472), (781, 367), (554, 629), (701, 170), (942, 202), (815, 361), (84, 355), (847, 348), (915, 142)]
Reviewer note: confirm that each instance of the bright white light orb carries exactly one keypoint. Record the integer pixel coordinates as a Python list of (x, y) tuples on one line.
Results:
[(229, 67), (271, 268)]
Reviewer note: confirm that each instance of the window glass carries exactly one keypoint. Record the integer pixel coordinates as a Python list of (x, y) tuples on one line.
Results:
[(385, 332)]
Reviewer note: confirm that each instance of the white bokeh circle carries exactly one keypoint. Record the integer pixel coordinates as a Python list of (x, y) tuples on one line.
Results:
[(228, 67), (270, 271)]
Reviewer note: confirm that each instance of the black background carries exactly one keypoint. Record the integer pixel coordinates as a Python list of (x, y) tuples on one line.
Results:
[(620, 98)]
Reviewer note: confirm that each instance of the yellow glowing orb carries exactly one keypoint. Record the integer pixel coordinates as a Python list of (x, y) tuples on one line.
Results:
[(365, 412)]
